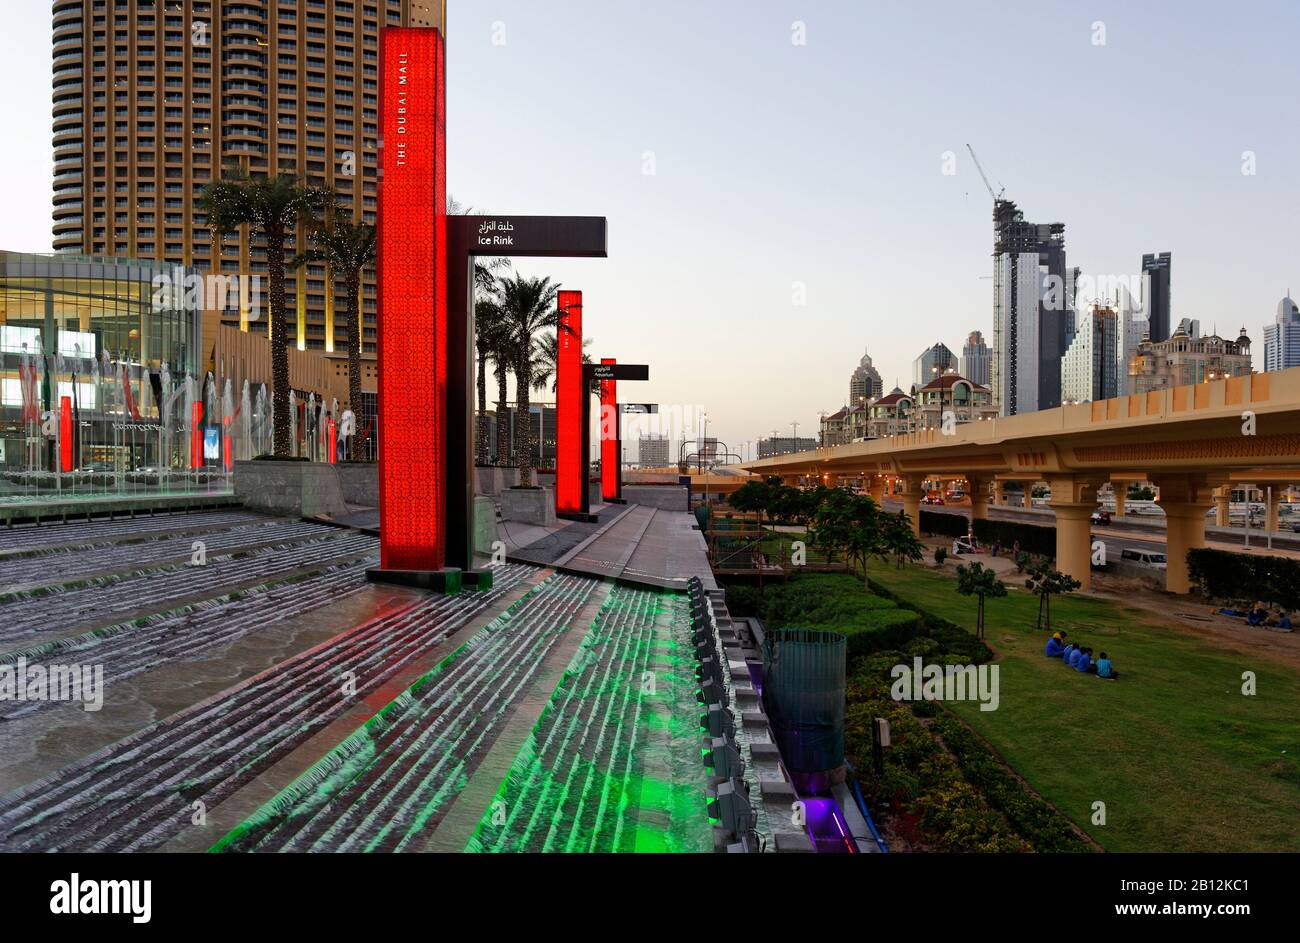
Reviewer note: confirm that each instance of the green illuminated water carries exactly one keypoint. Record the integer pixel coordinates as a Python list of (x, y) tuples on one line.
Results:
[(613, 763)]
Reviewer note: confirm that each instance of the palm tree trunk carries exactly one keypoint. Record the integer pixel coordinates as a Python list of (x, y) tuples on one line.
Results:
[(481, 427), (352, 321), (279, 340), (503, 427), (523, 418)]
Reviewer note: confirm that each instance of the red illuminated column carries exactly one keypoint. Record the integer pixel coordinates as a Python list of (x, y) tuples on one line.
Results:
[(609, 457), (196, 435), (332, 445), (570, 462), (412, 272), (65, 433), (227, 444)]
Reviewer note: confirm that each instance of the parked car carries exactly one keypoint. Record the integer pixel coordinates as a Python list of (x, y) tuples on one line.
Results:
[(1100, 517), (932, 499), (1146, 558)]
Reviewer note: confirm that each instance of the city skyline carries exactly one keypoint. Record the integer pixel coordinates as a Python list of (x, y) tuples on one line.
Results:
[(885, 250)]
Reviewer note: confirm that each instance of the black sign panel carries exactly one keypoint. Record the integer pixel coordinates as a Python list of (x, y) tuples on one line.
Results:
[(641, 408), (574, 237), (617, 371)]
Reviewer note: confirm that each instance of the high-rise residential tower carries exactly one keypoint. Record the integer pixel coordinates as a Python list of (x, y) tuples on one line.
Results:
[(1155, 294), (153, 98), (865, 383), (1032, 313), (1131, 330), (1282, 337), (934, 361), (1090, 367), (976, 359)]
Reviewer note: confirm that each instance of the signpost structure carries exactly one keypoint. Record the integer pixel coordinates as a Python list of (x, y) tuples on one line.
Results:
[(425, 355)]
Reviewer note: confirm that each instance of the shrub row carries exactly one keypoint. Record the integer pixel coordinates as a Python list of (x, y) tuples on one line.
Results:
[(1033, 819), (1224, 575), (922, 793), (1033, 538)]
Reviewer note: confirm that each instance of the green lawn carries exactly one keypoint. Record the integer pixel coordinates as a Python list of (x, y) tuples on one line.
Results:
[(1181, 758)]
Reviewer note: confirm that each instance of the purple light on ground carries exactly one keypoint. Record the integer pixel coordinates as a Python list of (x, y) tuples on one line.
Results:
[(827, 827), (756, 676)]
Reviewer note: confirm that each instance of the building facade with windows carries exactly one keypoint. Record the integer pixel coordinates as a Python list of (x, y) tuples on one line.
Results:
[(1090, 368), (1183, 360), (153, 98), (952, 400), (1282, 337), (106, 336), (976, 359)]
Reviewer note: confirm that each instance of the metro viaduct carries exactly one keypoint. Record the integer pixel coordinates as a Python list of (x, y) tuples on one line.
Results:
[(1194, 443)]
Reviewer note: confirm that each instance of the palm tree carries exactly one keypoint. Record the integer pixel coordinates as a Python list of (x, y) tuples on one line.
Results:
[(491, 342), (347, 248), (546, 364), (272, 206), (527, 307)]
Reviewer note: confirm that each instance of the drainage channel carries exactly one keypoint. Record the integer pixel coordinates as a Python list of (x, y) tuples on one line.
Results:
[(62, 566), (142, 791), (126, 649), (105, 599), (33, 537), (388, 786), (613, 763)]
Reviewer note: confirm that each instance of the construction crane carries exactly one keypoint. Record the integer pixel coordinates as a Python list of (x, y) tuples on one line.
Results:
[(1001, 189)]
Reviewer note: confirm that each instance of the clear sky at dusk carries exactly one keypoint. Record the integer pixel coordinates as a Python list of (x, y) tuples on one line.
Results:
[(743, 172)]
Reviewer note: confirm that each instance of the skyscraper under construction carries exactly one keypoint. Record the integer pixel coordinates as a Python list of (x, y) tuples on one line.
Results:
[(1032, 311)]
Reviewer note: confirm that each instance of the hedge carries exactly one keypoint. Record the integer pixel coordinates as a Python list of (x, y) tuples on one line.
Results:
[(1037, 822), (1223, 574), (945, 525), (1034, 538), (877, 630)]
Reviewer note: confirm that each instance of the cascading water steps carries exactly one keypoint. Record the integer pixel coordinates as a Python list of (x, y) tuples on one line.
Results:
[(613, 763), (387, 787), (142, 791), (66, 610), (31, 537)]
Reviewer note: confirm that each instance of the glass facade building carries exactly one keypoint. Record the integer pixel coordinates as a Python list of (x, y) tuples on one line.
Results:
[(94, 347)]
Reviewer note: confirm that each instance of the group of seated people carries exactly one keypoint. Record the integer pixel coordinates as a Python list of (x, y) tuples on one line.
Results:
[(1260, 614), (1080, 657)]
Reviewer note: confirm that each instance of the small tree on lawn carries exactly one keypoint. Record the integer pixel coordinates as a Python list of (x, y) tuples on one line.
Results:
[(753, 496), (852, 524), (975, 580), (900, 539), (1046, 582)]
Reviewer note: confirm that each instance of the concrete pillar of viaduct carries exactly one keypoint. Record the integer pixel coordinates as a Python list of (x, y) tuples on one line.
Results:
[(1074, 498), (876, 486), (913, 488), (1223, 506), (979, 498), (1272, 504), (1184, 499), (999, 496), (1121, 497)]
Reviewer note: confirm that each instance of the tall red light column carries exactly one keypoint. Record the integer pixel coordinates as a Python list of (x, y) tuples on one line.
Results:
[(412, 275), (610, 460), (570, 444)]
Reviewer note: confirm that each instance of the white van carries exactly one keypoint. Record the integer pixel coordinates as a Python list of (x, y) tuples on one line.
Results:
[(1145, 558)]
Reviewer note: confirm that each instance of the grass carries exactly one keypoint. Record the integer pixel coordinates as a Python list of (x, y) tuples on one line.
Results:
[(1181, 758)]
